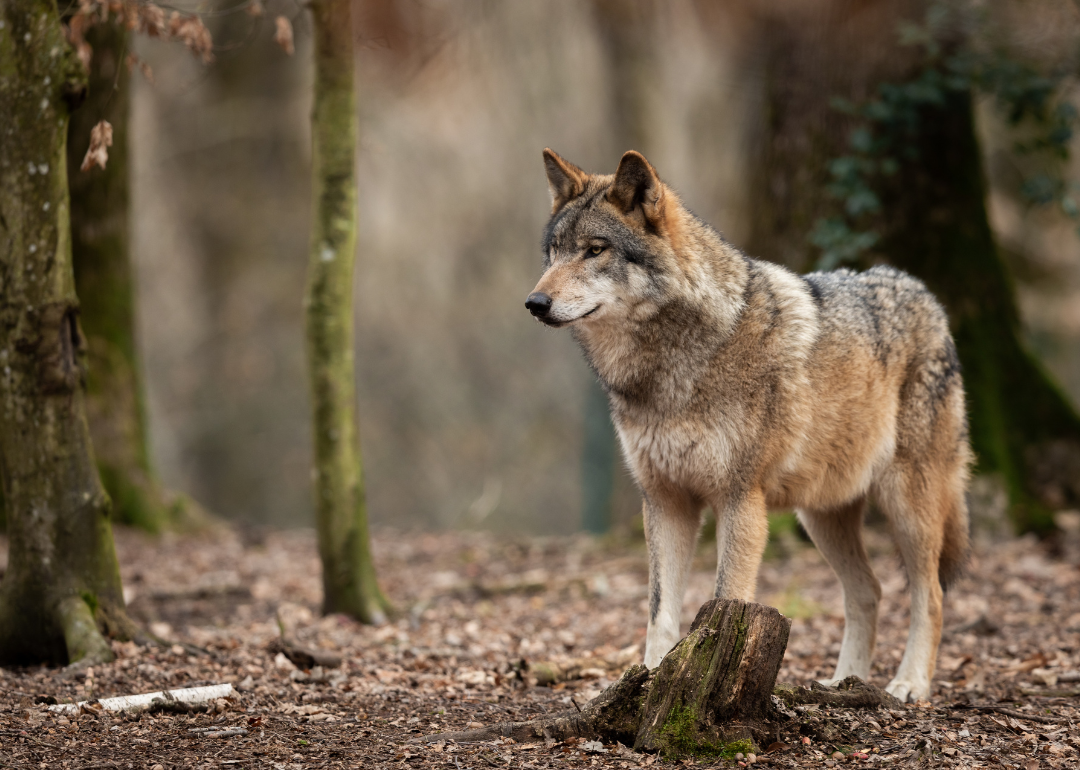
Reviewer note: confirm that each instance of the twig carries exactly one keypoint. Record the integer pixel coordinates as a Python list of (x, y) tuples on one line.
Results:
[(213, 732), (1051, 693), (1022, 715)]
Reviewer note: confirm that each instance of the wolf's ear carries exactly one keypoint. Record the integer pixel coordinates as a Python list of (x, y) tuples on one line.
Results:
[(566, 180), (637, 185)]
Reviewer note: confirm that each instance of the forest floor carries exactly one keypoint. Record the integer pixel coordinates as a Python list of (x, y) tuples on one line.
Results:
[(478, 613)]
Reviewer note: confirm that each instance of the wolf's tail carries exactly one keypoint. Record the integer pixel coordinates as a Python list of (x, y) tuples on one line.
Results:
[(955, 541)]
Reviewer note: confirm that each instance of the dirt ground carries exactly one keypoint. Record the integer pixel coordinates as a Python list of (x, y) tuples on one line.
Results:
[(477, 614)]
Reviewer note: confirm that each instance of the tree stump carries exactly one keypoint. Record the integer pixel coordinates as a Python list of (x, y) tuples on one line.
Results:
[(716, 685), (707, 697)]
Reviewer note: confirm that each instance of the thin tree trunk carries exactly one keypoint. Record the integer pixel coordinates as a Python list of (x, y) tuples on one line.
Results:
[(934, 225), (349, 583), (104, 283), (623, 27), (62, 586)]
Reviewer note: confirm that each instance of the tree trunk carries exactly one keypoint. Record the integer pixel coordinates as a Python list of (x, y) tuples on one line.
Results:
[(624, 32), (349, 583), (708, 697), (935, 226), (716, 685), (1021, 422), (812, 52), (62, 586), (104, 284)]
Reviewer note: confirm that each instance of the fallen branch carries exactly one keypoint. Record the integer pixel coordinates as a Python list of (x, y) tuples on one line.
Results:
[(187, 695), (849, 693), (302, 657), (1050, 693), (1023, 715), (217, 732), (223, 591)]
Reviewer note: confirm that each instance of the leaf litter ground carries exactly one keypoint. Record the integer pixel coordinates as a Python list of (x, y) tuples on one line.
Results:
[(484, 620)]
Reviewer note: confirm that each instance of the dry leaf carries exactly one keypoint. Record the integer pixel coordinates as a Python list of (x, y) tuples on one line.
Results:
[(152, 20), (190, 31), (76, 31), (132, 61), (284, 35), (100, 141)]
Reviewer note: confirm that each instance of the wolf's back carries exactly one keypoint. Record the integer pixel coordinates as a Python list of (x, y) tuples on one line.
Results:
[(884, 305)]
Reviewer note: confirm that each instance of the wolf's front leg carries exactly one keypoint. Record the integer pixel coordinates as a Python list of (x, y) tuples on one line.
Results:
[(742, 530), (671, 527)]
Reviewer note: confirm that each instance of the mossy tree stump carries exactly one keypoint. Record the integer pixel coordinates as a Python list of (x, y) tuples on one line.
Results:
[(710, 692), (716, 685)]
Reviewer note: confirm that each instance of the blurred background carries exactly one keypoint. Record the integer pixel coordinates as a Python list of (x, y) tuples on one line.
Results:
[(472, 415)]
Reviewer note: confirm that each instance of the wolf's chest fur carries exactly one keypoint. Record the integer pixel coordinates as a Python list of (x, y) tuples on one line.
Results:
[(707, 409)]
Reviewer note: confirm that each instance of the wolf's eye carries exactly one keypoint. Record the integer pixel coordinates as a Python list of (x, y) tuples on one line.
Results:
[(596, 250)]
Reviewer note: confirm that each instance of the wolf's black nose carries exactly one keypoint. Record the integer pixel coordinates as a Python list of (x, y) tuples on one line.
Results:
[(538, 304)]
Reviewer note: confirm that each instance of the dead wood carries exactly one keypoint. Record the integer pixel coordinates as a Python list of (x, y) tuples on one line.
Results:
[(1049, 720), (303, 658), (714, 688), (851, 693)]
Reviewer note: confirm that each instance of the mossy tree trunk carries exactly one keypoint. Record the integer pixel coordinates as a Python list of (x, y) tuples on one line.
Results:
[(624, 32), (934, 225), (61, 593), (105, 286), (349, 582), (1021, 422)]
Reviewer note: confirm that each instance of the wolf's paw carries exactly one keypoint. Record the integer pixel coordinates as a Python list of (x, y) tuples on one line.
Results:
[(907, 691)]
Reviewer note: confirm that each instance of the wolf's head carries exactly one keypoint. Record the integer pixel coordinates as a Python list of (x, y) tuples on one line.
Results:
[(612, 244)]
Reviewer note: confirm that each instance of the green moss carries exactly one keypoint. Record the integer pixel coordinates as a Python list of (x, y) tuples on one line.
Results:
[(90, 600), (133, 503), (679, 738)]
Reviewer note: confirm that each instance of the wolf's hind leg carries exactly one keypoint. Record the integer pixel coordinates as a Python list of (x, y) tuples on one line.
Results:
[(671, 528), (837, 533), (742, 531), (918, 524)]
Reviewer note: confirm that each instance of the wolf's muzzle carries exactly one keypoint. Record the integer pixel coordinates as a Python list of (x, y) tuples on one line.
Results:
[(538, 304)]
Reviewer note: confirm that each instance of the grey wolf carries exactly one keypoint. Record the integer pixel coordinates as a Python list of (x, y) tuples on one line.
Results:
[(737, 384)]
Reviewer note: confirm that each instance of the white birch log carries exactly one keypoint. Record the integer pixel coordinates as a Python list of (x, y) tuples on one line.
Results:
[(189, 695)]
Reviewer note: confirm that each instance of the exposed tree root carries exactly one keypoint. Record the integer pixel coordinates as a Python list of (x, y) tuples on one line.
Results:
[(86, 646)]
